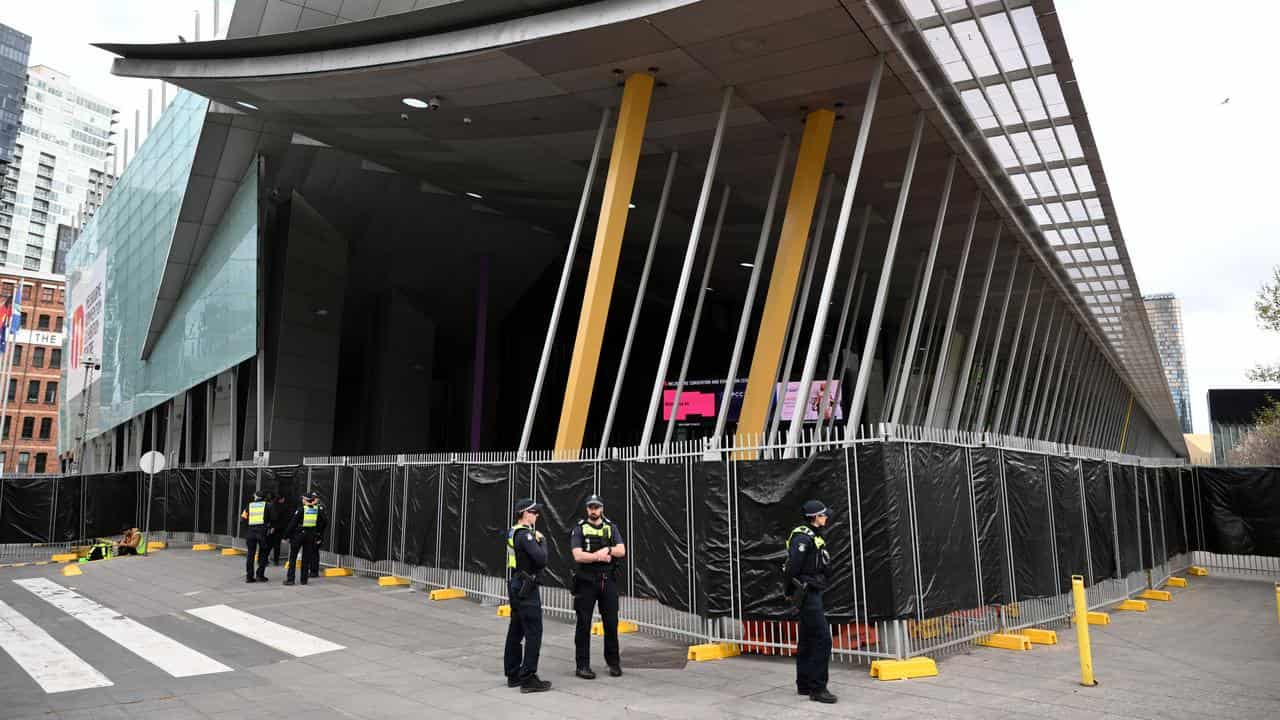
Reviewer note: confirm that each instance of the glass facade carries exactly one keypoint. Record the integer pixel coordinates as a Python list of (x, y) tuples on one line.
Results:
[(1165, 313), (14, 49), (213, 323)]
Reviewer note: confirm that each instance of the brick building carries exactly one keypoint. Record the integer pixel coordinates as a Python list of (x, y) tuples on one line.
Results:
[(29, 437)]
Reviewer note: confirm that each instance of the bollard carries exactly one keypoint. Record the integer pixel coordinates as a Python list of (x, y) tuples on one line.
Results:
[(1082, 631)]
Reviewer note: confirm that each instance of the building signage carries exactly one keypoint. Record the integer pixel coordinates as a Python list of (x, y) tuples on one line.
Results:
[(88, 290), (40, 337)]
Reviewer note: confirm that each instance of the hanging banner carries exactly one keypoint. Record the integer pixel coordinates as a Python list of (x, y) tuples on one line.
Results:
[(88, 291), (815, 403)]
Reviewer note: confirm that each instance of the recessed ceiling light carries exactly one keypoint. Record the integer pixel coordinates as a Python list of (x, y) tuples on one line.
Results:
[(477, 196), (244, 104), (321, 312), (746, 264), (631, 205), (414, 102)]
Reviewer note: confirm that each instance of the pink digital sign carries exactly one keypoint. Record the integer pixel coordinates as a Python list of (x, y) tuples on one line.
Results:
[(692, 404)]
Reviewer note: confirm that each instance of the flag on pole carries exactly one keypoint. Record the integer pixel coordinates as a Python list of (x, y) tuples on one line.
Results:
[(15, 319)]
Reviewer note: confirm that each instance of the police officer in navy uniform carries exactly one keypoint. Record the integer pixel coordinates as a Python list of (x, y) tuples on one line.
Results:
[(526, 557), (808, 570), (258, 515), (304, 532), (597, 546)]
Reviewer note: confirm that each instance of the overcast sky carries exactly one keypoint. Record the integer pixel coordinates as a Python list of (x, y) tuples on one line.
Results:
[(1193, 178)]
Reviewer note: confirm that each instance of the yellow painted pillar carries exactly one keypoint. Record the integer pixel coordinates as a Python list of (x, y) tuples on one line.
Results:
[(805, 180), (627, 140), (1124, 432)]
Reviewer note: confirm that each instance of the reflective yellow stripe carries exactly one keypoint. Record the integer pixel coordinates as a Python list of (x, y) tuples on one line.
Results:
[(257, 513), (511, 545), (310, 515)]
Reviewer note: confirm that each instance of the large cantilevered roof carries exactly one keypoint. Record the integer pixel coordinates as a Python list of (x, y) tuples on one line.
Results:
[(522, 95)]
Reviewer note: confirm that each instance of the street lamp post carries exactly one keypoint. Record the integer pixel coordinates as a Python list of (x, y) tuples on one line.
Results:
[(89, 364)]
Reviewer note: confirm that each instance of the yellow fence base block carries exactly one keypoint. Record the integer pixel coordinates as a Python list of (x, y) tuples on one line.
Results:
[(1161, 595), (65, 557), (232, 551), (1038, 636), (1197, 571), (504, 611), (624, 626), (392, 581), (1177, 582), (904, 669), (1006, 641), (69, 570), (336, 572), (1099, 618), (156, 545), (1132, 605), (204, 547), (448, 594), (713, 651)]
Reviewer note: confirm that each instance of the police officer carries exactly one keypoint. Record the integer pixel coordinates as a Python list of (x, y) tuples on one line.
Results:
[(304, 532), (258, 515), (526, 556), (597, 546), (808, 570)]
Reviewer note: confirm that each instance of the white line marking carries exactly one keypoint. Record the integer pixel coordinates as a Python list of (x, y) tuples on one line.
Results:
[(271, 634), (160, 650), (47, 661)]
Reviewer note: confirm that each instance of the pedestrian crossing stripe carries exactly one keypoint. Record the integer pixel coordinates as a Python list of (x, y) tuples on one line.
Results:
[(160, 650), (54, 668), (271, 634), (26, 564)]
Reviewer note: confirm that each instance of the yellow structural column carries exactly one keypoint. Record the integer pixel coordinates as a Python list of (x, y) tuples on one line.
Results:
[(805, 180), (627, 140), (1124, 432)]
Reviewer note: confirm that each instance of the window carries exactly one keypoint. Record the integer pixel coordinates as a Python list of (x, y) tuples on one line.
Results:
[(37, 357), (13, 388), (7, 423), (33, 391), (46, 427), (50, 392), (41, 460), (22, 320), (55, 356), (17, 357), (28, 427), (43, 323), (46, 294), (24, 461), (57, 323)]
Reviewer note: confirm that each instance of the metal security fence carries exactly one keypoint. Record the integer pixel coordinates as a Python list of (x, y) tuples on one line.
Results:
[(937, 538)]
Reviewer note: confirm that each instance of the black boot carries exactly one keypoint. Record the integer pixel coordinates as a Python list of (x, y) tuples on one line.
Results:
[(287, 581), (822, 696), (585, 673), (513, 681), (615, 670), (250, 579), (533, 684)]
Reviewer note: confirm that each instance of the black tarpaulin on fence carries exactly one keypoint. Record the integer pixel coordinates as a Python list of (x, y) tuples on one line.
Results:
[(341, 511), (886, 573), (371, 493), (110, 503), (25, 505), (1145, 531), (422, 512), (988, 503), (488, 519), (711, 535), (1190, 509), (769, 500), (451, 518), (1175, 542), (1127, 526), (322, 481), (66, 523), (180, 501), (398, 500), (944, 528), (1241, 510), (659, 541), (1068, 521), (204, 500), (222, 494), (1097, 498), (562, 489), (1030, 526), (613, 490), (245, 480)]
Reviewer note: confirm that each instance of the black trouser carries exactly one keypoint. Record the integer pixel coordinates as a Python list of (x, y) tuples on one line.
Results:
[(126, 550), (273, 545), (588, 591), (303, 544), (526, 626), (257, 544), (813, 649)]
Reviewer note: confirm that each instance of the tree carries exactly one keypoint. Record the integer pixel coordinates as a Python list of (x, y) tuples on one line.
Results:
[(1260, 445), (1267, 306)]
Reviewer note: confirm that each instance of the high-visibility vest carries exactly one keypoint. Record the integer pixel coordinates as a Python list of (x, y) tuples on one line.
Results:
[(142, 544), (310, 516), (594, 538), (257, 513), (511, 544), (819, 544)]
